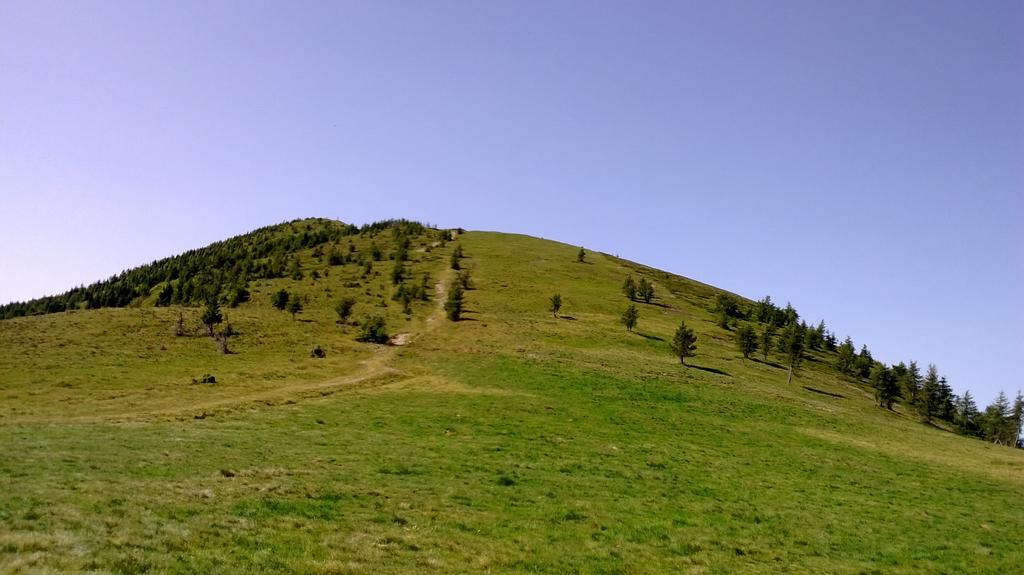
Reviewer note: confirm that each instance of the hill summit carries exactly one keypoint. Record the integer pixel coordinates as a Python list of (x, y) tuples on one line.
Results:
[(320, 397)]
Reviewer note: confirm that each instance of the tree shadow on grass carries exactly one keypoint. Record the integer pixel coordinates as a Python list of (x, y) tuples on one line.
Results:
[(649, 336), (567, 317), (709, 369), (822, 392), (771, 363)]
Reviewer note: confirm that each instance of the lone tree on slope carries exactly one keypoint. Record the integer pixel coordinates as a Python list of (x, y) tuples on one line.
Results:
[(453, 305), (281, 299), (344, 309), (645, 290), (211, 315), (630, 317), (746, 340), (766, 340), (792, 344), (556, 304), (629, 288), (294, 306), (684, 343), (581, 255)]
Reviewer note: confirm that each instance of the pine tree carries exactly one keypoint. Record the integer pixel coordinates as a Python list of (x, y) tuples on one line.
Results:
[(886, 388), (684, 342), (766, 339), (996, 422), (864, 362), (645, 290), (792, 345), (630, 317), (1017, 416), (746, 340), (281, 299), (454, 261), (163, 299), (295, 270), (294, 305), (946, 403), (556, 304), (629, 288), (911, 384), (581, 255), (453, 305), (846, 358), (344, 309), (211, 315), (967, 415), (764, 310), (928, 404)]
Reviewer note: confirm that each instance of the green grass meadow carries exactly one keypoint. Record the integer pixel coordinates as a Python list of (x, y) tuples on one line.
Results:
[(510, 442)]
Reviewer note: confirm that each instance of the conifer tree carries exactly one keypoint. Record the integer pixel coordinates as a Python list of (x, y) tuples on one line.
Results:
[(928, 404), (645, 290), (281, 299), (996, 422), (764, 310), (555, 304), (211, 315), (684, 342), (629, 288), (163, 299), (886, 388), (294, 305), (967, 415), (911, 384), (630, 317), (581, 255), (766, 339), (1017, 416), (344, 309), (295, 269), (791, 343), (746, 340), (864, 362), (453, 305)]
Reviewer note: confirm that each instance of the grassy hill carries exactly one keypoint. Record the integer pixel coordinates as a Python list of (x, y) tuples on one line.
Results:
[(511, 441)]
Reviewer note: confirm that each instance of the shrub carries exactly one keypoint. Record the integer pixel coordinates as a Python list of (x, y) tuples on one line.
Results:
[(373, 330)]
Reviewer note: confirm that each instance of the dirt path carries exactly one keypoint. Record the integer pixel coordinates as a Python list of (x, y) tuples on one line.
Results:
[(374, 370)]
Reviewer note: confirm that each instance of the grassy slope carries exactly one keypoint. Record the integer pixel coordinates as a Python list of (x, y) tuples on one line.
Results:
[(513, 441)]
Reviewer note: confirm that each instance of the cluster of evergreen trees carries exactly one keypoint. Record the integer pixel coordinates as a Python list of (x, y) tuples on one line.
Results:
[(929, 395), (219, 271)]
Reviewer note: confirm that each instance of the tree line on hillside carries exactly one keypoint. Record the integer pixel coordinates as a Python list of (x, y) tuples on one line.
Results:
[(219, 271), (766, 327)]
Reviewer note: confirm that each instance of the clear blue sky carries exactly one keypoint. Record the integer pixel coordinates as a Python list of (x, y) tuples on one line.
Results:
[(864, 160)]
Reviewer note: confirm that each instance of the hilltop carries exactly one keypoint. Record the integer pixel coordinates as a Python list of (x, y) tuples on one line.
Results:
[(515, 439)]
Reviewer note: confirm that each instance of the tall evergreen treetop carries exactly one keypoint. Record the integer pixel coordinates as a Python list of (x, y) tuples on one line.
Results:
[(684, 343)]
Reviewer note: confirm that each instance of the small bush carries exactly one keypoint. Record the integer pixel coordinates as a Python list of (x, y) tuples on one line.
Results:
[(373, 330), (318, 352)]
